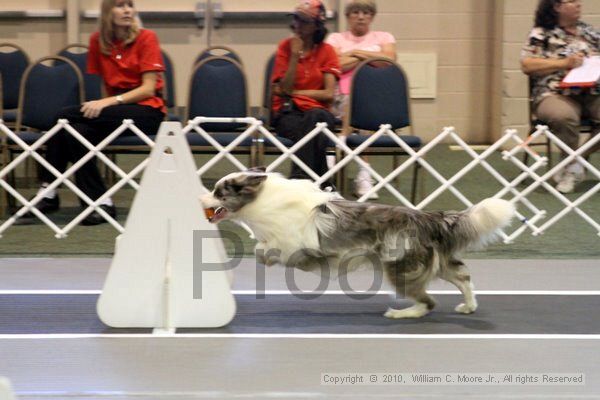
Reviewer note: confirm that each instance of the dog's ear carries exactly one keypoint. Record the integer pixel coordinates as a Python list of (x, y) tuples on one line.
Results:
[(251, 183), (260, 168)]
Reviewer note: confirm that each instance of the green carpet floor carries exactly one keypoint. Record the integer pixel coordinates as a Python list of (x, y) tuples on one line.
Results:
[(571, 237)]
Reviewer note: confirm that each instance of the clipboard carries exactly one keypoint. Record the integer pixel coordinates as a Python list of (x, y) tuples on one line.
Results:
[(586, 75)]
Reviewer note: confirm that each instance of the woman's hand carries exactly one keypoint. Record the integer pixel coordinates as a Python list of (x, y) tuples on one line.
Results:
[(92, 109), (573, 61), (286, 84), (276, 90), (359, 55), (296, 45), (347, 54)]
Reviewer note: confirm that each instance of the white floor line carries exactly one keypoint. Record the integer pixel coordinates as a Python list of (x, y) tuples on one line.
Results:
[(465, 336), (435, 292), (292, 394), (163, 394), (337, 292), (163, 331), (49, 292)]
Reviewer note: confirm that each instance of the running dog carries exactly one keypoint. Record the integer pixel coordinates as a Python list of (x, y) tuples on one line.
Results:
[(298, 225)]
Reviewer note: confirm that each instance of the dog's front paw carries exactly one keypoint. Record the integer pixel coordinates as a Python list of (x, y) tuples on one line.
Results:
[(465, 308), (266, 261), (264, 256), (270, 261)]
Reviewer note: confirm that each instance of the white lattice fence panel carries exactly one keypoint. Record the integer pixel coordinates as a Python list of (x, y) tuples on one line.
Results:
[(258, 134), (63, 178), (543, 180)]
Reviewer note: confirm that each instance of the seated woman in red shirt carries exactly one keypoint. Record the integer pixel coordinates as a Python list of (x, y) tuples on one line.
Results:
[(304, 78), (129, 61)]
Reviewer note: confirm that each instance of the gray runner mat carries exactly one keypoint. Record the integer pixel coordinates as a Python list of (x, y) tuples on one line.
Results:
[(338, 314)]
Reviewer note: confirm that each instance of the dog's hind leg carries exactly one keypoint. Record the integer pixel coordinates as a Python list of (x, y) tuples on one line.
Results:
[(411, 282), (456, 272)]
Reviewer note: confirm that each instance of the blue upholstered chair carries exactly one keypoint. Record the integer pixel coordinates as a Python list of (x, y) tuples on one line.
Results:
[(169, 87), (218, 51), (218, 88), (380, 95), (267, 96), (78, 53), (265, 145), (44, 91), (13, 63)]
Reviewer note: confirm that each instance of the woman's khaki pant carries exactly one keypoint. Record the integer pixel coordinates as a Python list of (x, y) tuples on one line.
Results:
[(563, 115)]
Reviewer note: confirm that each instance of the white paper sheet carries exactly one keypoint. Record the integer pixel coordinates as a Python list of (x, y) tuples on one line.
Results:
[(588, 72)]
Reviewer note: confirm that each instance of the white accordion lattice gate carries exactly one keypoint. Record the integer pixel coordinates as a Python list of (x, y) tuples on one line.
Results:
[(260, 136)]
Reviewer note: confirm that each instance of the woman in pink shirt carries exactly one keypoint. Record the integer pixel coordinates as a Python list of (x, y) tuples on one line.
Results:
[(358, 43)]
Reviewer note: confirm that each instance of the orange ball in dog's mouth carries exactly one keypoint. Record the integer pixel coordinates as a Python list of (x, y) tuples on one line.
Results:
[(209, 212), (214, 215)]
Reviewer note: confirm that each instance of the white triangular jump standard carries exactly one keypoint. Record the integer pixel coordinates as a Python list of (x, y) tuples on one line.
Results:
[(154, 281), (5, 390)]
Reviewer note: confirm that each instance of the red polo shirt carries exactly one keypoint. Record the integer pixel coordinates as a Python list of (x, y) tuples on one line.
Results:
[(320, 60), (122, 70)]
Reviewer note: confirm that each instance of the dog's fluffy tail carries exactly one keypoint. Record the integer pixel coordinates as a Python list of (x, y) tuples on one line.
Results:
[(486, 218), (491, 215)]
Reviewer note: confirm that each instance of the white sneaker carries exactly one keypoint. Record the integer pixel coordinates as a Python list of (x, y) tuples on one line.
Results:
[(574, 167), (568, 181), (362, 185), (330, 158), (557, 177)]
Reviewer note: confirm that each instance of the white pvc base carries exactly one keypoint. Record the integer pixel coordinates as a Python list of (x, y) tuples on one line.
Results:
[(150, 282), (6, 392)]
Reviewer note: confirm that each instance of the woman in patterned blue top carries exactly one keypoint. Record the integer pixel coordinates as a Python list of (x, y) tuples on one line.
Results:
[(559, 42)]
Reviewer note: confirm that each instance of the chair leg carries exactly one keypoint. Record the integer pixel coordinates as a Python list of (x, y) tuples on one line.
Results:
[(3, 193), (27, 171), (549, 152), (260, 154), (526, 155), (3, 205), (341, 175), (252, 157), (396, 164), (12, 181), (338, 175), (413, 193)]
